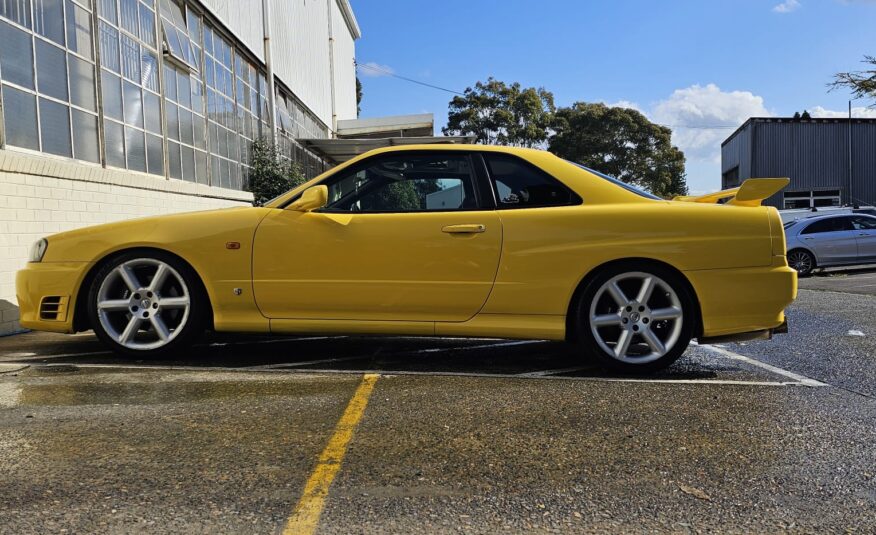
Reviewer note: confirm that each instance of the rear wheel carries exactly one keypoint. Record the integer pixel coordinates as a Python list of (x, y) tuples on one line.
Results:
[(636, 320), (802, 261), (146, 304)]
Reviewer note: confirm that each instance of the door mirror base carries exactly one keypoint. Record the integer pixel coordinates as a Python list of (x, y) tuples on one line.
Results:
[(313, 198)]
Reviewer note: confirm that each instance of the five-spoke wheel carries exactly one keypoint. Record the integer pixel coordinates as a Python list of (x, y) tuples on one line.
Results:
[(636, 320), (145, 304)]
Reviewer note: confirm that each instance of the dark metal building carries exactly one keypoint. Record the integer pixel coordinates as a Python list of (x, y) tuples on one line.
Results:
[(831, 162)]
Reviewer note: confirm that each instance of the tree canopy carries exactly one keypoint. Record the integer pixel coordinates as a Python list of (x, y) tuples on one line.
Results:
[(861, 83), (620, 142), (500, 114)]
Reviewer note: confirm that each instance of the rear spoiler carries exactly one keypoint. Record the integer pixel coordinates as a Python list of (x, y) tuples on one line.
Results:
[(752, 192)]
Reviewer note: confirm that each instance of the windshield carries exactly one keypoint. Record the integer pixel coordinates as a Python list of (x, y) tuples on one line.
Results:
[(620, 183)]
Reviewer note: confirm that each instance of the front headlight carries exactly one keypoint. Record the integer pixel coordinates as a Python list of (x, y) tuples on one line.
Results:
[(38, 250)]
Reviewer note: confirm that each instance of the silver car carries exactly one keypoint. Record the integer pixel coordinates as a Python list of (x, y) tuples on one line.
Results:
[(831, 240)]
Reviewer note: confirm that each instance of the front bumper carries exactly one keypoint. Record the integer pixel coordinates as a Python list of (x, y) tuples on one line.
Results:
[(52, 286), (744, 300)]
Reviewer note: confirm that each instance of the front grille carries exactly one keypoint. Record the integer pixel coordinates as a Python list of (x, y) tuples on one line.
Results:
[(53, 308)]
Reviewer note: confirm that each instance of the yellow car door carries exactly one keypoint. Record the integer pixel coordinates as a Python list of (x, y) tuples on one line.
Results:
[(404, 236)]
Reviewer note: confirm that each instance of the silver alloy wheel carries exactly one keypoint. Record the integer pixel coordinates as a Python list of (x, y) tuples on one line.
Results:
[(638, 329), (800, 261), (143, 304)]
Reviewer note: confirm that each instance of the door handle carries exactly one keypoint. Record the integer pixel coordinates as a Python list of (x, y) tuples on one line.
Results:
[(464, 229)]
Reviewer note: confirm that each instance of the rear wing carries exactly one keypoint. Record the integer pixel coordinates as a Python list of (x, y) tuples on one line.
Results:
[(752, 192)]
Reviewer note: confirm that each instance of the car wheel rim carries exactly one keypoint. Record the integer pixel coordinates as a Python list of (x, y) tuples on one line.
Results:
[(800, 262), (636, 317), (143, 304)]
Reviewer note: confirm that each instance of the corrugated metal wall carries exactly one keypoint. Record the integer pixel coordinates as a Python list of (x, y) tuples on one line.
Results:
[(244, 19), (864, 163), (737, 152), (345, 68)]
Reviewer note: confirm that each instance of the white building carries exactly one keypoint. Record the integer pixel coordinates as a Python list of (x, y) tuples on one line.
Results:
[(112, 109)]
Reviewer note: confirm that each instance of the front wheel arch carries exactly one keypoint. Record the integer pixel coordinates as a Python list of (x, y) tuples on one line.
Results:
[(632, 264), (807, 251), (81, 321)]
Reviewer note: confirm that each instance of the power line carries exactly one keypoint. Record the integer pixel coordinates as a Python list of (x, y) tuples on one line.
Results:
[(386, 72), (377, 69)]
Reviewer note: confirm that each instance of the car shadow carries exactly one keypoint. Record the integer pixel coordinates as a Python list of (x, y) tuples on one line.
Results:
[(386, 355)]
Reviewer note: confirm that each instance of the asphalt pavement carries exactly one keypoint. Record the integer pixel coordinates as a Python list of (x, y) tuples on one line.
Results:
[(413, 435)]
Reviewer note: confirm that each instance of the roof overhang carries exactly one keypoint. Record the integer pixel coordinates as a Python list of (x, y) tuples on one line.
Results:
[(422, 124), (341, 150), (350, 18)]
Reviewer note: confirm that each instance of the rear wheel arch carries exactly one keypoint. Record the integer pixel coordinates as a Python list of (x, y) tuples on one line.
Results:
[(81, 320), (631, 264)]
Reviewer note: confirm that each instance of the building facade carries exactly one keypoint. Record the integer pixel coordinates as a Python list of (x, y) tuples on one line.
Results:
[(831, 162), (112, 109)]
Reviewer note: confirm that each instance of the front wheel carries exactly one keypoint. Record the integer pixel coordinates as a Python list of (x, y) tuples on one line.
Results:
[(636, 320), (801, 261), (146, 304)]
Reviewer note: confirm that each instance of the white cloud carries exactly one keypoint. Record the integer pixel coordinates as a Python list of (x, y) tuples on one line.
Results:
[(857, 112), (701, 117), (375, 70), (624, 104), (787, 6)]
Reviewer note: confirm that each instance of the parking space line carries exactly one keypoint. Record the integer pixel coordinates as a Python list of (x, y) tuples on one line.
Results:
[(801, 379), (305, 517), (480, 346), (545, 373)]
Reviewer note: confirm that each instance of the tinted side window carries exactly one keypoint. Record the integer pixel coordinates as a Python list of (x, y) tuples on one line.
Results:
[(834, 224), (522, 185), (405, 183), (864, 223)]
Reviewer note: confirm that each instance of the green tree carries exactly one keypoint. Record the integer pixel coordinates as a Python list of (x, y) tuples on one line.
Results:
[(358, 97), (271, 174), (500, 114), (620, 142), (861, 83)]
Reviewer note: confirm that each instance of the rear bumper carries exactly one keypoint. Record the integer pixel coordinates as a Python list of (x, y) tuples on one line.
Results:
[(49, 282), (744, 300)]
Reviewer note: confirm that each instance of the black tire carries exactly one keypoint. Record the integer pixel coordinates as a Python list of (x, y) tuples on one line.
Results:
[(181, 336), (802, 261), (633, 365)]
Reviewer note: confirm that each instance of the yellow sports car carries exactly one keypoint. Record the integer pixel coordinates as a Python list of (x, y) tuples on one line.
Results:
[(437, 240)]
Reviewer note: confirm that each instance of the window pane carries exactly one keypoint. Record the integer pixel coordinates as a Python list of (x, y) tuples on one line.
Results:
[(174, 160), (520, 185), (128, 14), (81, 83), (135, 147), (153, 112), (185, 126), (149, 70), (111, 87), (172, 121), (107, 9), (133, 105), (109, 47), (200, 132), (188, 163), (55, 128), (147, 25), (169, 83), (130, 59), (16, 56), (51, 70), (17, 11), (197, 95), (78, 30), (184, 89), (85, 136), (19, 113), (201, 167), (49, 19), (115, 143), (154, 155)]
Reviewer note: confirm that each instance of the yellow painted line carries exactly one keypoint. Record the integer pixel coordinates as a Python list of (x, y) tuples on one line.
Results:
[(305, 517)]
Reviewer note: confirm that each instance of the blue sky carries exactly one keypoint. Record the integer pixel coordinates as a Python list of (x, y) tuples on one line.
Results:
[(683, 63)]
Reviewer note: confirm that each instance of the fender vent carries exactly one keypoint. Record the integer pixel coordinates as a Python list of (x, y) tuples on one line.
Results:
[(53, 308)]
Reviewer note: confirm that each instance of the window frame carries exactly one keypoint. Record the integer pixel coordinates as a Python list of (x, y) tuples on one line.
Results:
[(820, 221), (574, 198), (482, 191)]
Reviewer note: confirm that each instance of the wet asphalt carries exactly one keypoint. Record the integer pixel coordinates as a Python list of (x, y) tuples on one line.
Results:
[(459, 436)]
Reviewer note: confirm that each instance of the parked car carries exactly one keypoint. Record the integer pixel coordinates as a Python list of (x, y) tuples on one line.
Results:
[(522, 245), (831, 240), (794, 214)]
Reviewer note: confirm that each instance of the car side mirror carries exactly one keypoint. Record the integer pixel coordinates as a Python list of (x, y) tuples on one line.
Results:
[(313, 198)]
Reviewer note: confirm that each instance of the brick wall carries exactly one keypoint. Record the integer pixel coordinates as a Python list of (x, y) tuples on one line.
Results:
[(40, 196)]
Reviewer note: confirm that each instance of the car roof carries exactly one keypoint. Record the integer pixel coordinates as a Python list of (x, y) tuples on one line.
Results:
[(830, 216)]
